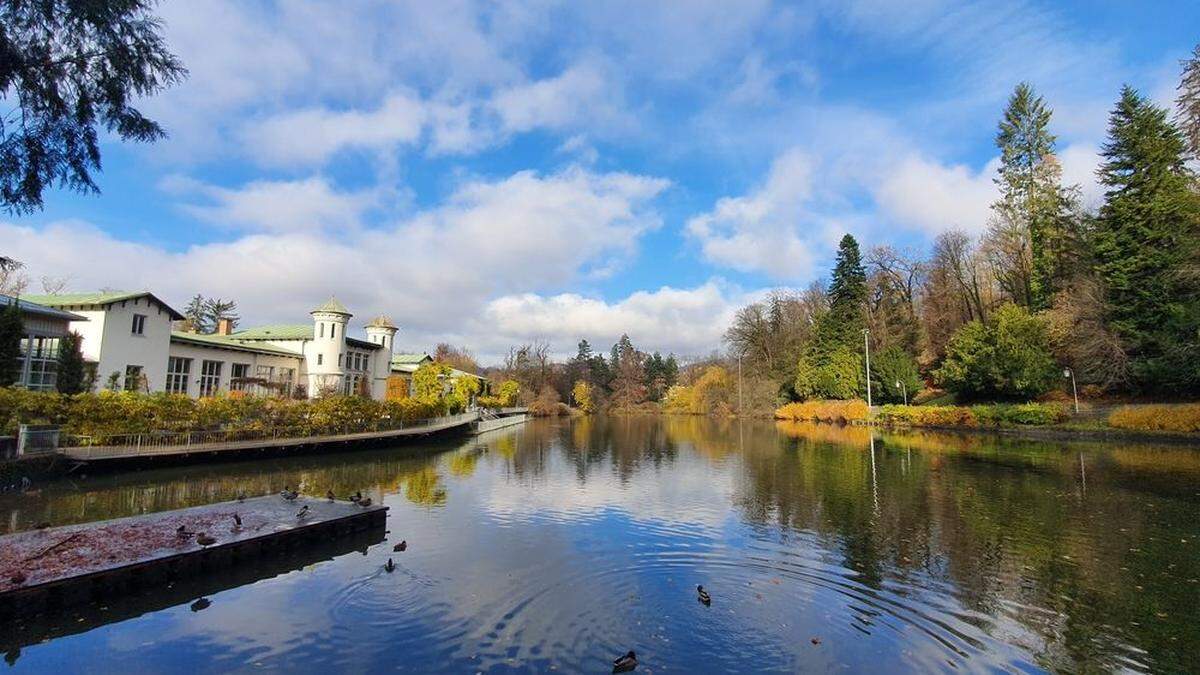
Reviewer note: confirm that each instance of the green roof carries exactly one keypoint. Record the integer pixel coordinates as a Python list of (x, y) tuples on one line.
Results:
[(35, 308), (277, 331), (410, 358), (98, 299), (333, 306), (228, 342), (292, 331)]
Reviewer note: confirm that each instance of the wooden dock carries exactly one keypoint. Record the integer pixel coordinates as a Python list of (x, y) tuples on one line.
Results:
[(485, 425), (57, 567), (183, 447)]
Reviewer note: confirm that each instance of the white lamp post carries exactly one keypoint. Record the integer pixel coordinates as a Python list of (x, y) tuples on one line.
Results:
[(867, 345), (904, 388), (1067, 372)]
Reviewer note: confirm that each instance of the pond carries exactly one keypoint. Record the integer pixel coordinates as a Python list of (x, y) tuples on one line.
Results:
[(560, 545)]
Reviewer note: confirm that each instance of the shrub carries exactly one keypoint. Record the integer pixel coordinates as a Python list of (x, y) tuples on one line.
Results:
[(998, 414), (927, 416), (824, 411), (1008, 357), (890, 366), (1022, 413), (1183, 417)]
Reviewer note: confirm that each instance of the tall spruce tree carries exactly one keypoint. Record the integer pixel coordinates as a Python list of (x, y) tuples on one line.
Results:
[(1146, 235), (847, 295), (1032, 201)]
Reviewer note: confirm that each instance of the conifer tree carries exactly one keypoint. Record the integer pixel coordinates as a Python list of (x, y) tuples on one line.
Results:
[(71, 375), (1146, 235), (847, 294), (1188, 116), (1032, 202)]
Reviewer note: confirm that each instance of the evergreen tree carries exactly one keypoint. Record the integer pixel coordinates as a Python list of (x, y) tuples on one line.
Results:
[(848, 289), (194, 315), (1032, 204), (71, 375), (12, 329), (1146, 237)]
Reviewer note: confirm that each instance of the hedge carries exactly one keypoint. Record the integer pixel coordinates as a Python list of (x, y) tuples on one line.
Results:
[(824, 411), (974, 416), (112, 413), (1182, 417)]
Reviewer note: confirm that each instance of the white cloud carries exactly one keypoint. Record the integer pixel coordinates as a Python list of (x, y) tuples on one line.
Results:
[(930, 196), (277, 206), (771, 229), (582, 94), (435, 272), (1079, 163)]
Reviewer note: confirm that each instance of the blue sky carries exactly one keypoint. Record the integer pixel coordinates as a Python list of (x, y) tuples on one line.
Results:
[(489, 174)]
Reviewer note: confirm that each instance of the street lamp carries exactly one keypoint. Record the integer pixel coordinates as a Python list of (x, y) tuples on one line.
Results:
[(902, 387), (1067, 372), (867, 346)]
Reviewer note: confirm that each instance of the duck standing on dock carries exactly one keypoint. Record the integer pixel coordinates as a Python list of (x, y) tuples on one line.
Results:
[(183, 533), (703, 596), (288, 493), (364, 502), (302, 512), (330, 496), (625, 663), (356, 497), (237, 522), (205, 540)]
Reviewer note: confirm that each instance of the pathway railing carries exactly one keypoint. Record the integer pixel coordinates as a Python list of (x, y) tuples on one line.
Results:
[(178, 442)]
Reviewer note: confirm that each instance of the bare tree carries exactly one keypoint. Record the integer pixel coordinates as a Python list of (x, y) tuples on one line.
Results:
[(54, 285), (13, 279)]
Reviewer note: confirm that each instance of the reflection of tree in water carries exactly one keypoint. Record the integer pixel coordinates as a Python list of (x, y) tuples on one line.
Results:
[(1008, 524), (116, 495), (462, 464), (425, 487)]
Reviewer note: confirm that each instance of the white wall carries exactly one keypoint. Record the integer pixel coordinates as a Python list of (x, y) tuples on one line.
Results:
[(228, 357), (108, 341)]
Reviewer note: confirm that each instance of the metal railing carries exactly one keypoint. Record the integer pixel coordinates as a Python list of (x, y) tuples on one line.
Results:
[(168, 442)]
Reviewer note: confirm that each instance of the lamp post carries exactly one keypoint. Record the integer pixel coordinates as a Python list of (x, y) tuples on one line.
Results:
[(1067, 372), (904, 388), (739, 384), (867, 346)]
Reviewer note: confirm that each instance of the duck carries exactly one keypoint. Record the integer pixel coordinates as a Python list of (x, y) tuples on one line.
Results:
[(390, 566), (288, 493), (330, 496), (356, 497), (183, 533), (402, 546), (703, 596), (237, 522), (302, 512), (241, 496), (202, 603), (625, 663), (364, 502), (205, 540)]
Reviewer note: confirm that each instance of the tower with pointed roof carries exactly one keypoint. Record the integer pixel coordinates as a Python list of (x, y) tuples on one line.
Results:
[(324, 360), (381, 331)]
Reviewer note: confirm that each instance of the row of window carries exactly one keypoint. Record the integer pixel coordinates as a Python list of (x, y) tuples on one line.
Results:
[(41, 355), (321, 330), (353, 361), (179, 376)]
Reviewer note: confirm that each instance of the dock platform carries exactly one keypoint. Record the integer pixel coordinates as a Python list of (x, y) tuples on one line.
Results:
[(60, 566)]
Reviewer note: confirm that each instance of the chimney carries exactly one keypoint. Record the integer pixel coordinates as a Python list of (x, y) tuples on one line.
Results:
[(224, 326)]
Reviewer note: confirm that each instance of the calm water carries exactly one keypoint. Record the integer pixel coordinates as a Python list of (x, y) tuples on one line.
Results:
[(559, 545)]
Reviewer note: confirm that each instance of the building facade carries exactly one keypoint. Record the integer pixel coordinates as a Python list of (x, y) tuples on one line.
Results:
[(130, 340), (43, 329)]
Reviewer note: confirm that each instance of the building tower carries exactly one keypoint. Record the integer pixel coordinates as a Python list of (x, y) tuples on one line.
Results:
[(324, 357), (381, 331)]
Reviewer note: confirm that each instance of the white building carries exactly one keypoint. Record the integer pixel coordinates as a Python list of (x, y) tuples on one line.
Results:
[(44, 327), (129, 339)]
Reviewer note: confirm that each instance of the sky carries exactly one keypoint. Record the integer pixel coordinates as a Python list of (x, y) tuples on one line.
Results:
[(489, 174)]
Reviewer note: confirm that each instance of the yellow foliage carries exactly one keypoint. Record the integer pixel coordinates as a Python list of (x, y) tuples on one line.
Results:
[(1182, 417), (710, 393), (853, 410), (582, 393)]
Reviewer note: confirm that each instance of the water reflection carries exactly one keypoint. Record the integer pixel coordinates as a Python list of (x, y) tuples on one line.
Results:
[(564, 544)]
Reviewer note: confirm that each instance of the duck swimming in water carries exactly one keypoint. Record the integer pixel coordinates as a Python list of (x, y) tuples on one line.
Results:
[(402, 546), (390, 566), (302, 512), (625, 663), (703, 596)]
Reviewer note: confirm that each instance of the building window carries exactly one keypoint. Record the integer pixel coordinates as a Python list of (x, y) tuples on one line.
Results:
[(210, 377), (133, 378), (42, 355), (320, 330), (320, 359), (266, 373), (333, 330), (178, 370), (339, 360), (139, 324), (238, 373), (288, 377)]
